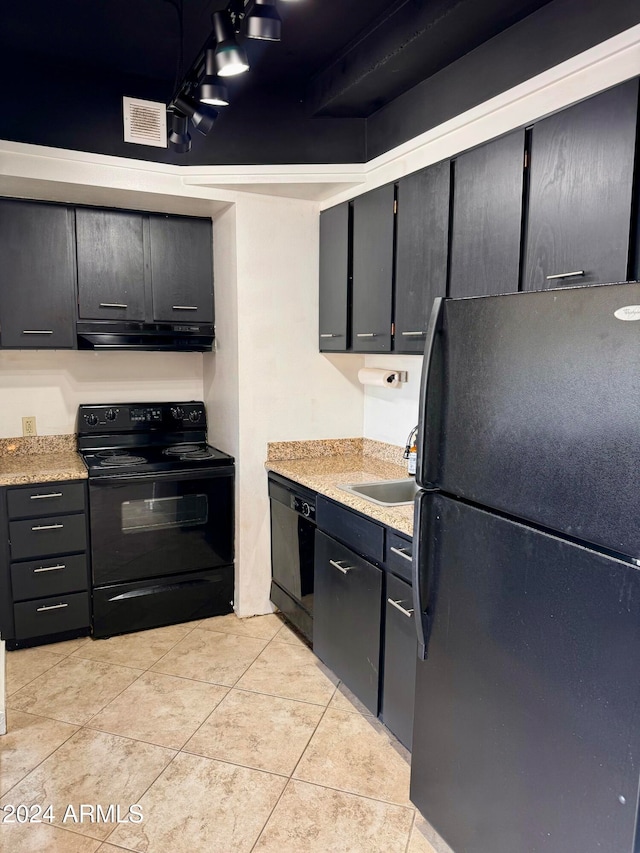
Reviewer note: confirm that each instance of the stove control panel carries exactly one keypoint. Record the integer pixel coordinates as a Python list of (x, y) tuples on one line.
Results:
[(144, 417)]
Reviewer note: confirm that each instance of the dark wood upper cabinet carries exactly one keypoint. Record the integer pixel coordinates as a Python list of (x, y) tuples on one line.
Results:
[(580, 189), (373, 227), (37, 291), (111, 265), (422, 236), (335, 278), (487, 218), (181, 251)]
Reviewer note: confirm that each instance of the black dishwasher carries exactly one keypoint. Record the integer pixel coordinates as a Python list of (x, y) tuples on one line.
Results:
[(293, 514)]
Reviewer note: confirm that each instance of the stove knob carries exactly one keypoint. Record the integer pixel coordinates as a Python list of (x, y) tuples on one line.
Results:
[(178, 413), (111, 414), (305, 509), (92, 420), (194, 416)]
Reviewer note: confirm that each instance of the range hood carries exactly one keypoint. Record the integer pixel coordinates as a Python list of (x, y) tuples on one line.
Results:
[(152, 337)]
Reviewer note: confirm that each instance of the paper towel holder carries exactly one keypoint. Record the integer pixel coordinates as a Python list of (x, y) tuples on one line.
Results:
[(393, 377)]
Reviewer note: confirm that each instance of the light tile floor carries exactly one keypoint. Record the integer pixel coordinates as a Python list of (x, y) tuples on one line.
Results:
[(229, 734)]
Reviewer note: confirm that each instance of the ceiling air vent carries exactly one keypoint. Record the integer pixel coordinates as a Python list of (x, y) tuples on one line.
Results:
[(145, 122)]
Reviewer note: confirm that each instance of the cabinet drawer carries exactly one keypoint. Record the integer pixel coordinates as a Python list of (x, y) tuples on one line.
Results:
[(45, 499), (39, 578), (400, 656), (399, 555), (364, 536), (39, 537), (51, 615)]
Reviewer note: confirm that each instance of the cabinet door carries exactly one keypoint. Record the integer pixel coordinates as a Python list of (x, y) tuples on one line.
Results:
[(335, 278), (181, 269), (487, 218), (421, 252), (346, 617), (111, 268), (37, 292), (400, 656), (373, 225), (581, 178)]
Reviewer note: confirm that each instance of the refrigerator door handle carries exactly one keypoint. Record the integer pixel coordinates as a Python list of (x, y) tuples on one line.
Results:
[(435, 326), (418, 548)]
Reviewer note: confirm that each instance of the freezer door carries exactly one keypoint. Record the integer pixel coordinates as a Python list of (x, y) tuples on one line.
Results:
[(527, 720), (531, 408)]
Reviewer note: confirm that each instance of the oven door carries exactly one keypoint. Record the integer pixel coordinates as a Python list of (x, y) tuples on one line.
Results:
[(153, 525)]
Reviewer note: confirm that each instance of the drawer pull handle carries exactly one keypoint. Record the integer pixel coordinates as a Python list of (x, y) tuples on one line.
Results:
[(366, 335), (113, 305), (402, 552), (414, 334), (185, 307), (565, 274), (42, 497), (398, 606), (329, 335), (343, 569), (51, 607), (48, 527), (37, 331), (48, 569)]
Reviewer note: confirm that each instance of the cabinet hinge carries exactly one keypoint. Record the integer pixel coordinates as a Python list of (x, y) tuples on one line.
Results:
[(395, 205)]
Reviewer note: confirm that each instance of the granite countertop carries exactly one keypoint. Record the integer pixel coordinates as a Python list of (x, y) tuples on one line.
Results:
[(39, 459), (324, 465)]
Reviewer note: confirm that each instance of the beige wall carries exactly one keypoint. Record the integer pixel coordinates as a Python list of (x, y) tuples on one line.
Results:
[(52, 384), (267, 375)]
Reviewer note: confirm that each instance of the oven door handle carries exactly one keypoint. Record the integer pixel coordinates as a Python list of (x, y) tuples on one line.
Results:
[(164, 476)]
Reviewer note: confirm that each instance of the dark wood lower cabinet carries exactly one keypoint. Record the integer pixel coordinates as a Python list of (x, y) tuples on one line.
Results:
[(347, 617), (400, 656), (44, 565)]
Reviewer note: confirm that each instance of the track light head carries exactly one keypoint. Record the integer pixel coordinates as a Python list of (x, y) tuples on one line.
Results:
[(263, 22), (212, 91), (202, 116), (230, 58), (179, 137)]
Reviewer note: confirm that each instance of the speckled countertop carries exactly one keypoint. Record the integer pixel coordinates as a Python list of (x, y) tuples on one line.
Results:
[(39, 459), (325, 465)]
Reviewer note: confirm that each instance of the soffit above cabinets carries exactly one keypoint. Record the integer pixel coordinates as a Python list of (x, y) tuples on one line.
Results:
[(343, 84)]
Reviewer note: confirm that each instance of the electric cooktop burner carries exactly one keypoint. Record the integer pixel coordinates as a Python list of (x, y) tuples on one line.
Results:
[(119, 459), (188, 451)]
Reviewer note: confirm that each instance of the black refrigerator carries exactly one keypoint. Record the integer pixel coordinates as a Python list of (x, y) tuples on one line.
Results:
[(527, 573)]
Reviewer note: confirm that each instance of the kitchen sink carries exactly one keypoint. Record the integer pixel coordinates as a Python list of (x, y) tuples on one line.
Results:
[(385, 492)]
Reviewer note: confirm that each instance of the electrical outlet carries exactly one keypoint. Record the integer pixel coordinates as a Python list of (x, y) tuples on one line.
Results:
[(29, 425)]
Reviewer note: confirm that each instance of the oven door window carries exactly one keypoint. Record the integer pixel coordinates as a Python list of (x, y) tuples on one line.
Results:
[(164, 513), (149, 528)]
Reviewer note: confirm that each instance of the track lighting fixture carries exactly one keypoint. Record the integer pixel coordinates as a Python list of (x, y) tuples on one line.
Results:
[(179, 136), (201, 88), (202, 116), (263, 21), (212, 90), (230, 57)]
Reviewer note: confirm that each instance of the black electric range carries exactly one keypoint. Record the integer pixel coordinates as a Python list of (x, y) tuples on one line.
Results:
[(161, 505)]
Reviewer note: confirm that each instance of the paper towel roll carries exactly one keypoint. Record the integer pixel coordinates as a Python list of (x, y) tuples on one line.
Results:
[(378, 376)]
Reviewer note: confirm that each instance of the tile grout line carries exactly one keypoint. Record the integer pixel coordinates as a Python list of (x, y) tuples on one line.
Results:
[(290, 779), (413, 823), (8, 791)]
